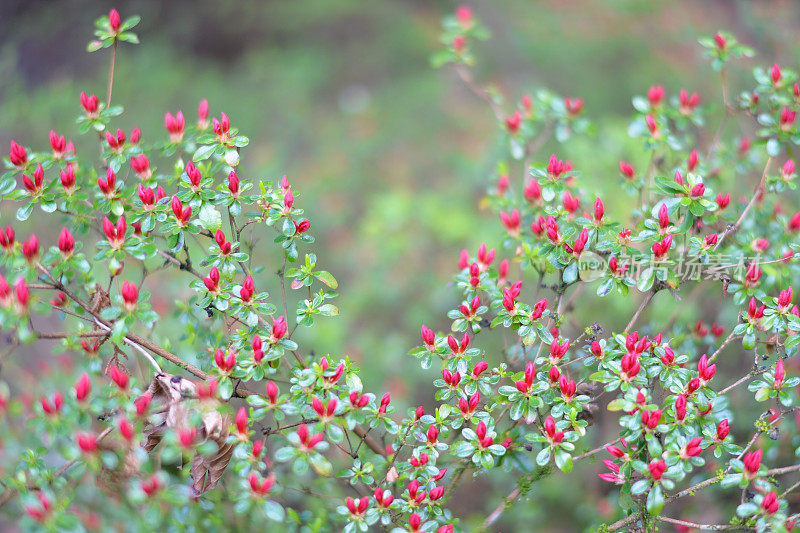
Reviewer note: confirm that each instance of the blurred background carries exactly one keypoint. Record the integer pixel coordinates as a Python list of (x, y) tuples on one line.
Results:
[(390, 158)]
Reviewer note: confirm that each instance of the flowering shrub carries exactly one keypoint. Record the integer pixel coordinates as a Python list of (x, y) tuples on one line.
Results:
[(229, 421)]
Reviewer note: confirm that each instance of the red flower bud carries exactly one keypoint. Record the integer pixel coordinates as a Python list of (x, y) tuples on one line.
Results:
[(752, 462), (90, 104), (301, 227), (780, 373), (108, 186), (599, 210), (202, 114), (141, 165), (241, 421), (657, 469), (272, 391), (30, 248), (58, 144), (698, 190), (533, 192), (87, 443), (83, 387), (513, 122), (722, 429), (114, 20), (175, 126), (118, 377), (182, 215), (480, 367), (130, 294), (770, 503), (573, 105), (433, 434), (655, 94), (17, 154), (428, 336), (626, 169), (233, 183), (66, 242), (126, 429)]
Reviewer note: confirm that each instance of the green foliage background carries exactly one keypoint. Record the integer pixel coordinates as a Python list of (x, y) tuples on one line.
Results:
[(389, 156)]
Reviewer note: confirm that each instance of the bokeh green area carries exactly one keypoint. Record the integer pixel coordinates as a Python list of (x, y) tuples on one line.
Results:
[(389, 157)]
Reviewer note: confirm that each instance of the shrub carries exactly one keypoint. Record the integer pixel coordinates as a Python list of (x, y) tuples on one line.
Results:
[(235, 423)]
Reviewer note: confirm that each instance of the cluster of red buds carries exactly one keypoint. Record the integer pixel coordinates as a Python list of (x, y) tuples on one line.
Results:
[(509, 296), (182, 214), (223, 362), (688, 102), (511, 222), (325, 412), (18, 155), (468, 406), (90, 104), (225, 247), (175, 126), (525, 385), (212, 280), (116, 142), (193, 173), (115, 234), (455, 346), (221, 128), (307, 442), (52, 408), (34, 186)]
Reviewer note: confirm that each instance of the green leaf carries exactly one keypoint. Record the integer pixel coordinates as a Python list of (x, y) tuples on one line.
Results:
[(274, 511), (327, 278), (563, 461), (605, 287), (130, 22), (746, 509), (773, 147), (646, 280), (210, 217), (321, 465), (570, 273), (129, 37), (655, 500), (640, 486), (25, 211), (204, 152), (328, 310), (543, 457)]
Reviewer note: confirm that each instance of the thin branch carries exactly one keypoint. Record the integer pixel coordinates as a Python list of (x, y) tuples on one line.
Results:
[(638, 312), (759, 189), (134, 346), (721, 346), (702, 527), (466, 77), (111, 73)]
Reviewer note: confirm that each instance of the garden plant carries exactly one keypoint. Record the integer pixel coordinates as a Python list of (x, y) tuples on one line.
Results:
[(209, 415)]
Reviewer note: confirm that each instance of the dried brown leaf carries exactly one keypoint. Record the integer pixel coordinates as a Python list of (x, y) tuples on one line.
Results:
[(174, 400)]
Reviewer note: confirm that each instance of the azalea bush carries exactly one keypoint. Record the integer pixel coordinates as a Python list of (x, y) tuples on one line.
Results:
[(211, 414)]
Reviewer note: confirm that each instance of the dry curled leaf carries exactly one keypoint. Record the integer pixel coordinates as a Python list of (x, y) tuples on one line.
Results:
[(175, 401), (99, 299), (206, 471)]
